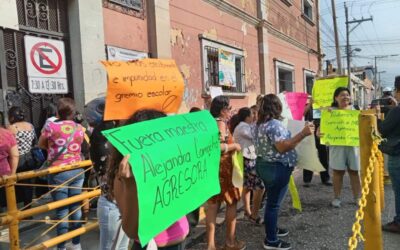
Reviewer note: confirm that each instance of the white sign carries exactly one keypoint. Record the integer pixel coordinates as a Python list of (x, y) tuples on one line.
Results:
[(46, 65), (119, 54), (215, 91), (307, 153)]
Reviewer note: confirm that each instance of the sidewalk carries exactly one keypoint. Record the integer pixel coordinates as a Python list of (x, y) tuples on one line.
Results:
[(318, 227)]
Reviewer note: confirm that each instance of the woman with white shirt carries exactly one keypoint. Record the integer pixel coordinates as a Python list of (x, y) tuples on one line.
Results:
[(252, 182)]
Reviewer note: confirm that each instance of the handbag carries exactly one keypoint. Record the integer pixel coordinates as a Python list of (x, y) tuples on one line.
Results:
[(37, 157), (390, 146)]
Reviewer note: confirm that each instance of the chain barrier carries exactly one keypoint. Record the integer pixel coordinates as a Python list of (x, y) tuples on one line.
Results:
[(375, 160)]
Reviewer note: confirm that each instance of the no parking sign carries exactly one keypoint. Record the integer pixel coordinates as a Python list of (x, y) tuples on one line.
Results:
[(45, 64)]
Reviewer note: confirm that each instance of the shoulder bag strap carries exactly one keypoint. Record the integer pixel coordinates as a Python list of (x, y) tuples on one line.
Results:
[(62, 149)]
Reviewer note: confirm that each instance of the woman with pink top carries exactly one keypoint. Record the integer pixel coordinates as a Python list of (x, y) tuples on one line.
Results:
[(8, 158), (123, 189)]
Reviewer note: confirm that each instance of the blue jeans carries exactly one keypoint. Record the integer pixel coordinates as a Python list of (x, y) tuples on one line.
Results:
[(394, 172), (276, 179), (109, 222), (64, 193)]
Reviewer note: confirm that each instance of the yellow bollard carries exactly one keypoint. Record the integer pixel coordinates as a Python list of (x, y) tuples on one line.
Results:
[(372, 217)]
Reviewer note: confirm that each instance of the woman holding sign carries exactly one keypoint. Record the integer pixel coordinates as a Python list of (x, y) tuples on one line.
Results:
[(276, 158), (122, 186), (342, 158), (221, 110)]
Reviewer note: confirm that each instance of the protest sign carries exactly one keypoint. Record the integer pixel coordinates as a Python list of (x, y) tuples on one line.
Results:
[(296, 203), (147, 83), (238, 169), (286, 113), (297, 103), (307, 153), (175, 162), (340, 128), (215, 91), (323, 90)]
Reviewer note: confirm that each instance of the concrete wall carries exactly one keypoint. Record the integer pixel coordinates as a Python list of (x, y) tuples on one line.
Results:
[(87, 49), (189, 19), (125, 31)]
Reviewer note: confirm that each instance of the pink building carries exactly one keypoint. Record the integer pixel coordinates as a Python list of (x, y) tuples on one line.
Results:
[(245, 47), (242, 47)]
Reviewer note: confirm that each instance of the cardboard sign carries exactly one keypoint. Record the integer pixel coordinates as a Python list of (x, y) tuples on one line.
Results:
[(175, 161), (147, 83), (340, 128), (307, 153), (297, 103), (324, 89)]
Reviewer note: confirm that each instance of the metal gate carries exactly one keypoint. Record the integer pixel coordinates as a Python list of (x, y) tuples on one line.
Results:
[(41, 18)]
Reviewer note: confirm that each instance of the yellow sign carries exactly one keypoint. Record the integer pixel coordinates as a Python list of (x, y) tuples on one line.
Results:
[(147, 83), (340, 128), (324, 89)]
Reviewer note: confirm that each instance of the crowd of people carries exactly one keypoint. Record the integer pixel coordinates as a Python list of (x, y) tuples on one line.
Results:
[(267, 146)]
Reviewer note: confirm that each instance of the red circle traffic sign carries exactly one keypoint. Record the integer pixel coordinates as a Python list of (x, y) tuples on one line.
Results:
[(55, 66)]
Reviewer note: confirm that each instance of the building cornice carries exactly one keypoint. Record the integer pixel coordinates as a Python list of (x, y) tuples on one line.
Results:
[(235, 11), (275, 32)]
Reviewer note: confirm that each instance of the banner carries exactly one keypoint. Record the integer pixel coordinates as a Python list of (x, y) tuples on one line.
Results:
[(175, 161), (340, 128), (307, 153), (227, 68), (297, 103), (323, 90), (147, 83)]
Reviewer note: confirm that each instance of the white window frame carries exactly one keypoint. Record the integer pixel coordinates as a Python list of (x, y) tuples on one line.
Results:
[(205, 42), (311, 3), (279, 64), (307, 72)]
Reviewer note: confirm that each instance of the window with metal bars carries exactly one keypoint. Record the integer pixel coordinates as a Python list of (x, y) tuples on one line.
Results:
[(212, 71), (131, 4)]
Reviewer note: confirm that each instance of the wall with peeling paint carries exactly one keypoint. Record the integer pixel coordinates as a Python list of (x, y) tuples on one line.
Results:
[(291, 54), (289, 20), (249, 6), (189, 19), (125, 31)]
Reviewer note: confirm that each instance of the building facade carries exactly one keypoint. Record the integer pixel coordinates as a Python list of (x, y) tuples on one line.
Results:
[(244, 47)]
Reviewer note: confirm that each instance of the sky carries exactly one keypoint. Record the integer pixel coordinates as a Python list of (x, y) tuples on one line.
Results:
[(375, 38)]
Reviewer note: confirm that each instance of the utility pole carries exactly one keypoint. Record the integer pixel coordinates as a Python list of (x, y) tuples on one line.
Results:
[(338, 57), (378, 86), (348, 50)]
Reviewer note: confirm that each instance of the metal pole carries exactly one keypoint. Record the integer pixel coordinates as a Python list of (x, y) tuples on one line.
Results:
[(372, 216), (375, 81), (338, 57), (64, 237), (348, 52), (12, 211)]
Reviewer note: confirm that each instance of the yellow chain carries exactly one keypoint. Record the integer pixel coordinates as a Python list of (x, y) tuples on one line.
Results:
[(381, 165), (373, 160)]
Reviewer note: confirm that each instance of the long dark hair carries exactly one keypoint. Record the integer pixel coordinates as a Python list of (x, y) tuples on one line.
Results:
[(270, 108), (218, 104), (336, 94), (116, 156), (238, 118)]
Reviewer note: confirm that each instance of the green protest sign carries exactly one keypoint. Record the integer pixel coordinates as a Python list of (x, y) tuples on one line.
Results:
[(175, 161), (340, 128), (323, 89)]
